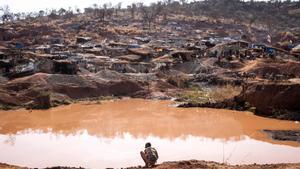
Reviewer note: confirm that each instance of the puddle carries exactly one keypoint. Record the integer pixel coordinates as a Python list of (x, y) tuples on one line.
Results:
[(111, 134)]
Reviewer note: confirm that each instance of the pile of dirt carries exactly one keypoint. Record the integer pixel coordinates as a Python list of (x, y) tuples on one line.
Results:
[(110, 75), (194, 164), (276, 100), (280, 100), (189, 67), (291, 69), (7, 34), (59, 88), (6, 166), (131, 58)]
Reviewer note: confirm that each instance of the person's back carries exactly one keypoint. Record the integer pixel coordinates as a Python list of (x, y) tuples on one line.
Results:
[(149, 155)]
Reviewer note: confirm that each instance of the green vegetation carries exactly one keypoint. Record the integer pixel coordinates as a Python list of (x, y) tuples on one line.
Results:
[(96, 100), (5, 107)]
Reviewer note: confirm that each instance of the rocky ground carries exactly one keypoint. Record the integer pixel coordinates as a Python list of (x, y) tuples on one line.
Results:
[(192, 164)]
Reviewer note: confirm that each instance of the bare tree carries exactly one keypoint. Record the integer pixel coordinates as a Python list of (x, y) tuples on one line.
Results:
[(105, 11), (118, 8), (133, 8), (150, 13), (77, 10), (23, 15), (62, 11), (95, 6), (53, 14), (41, 13), (69, 13), (183, 2), (29, 16), (160, 9), (17, 16), (165, 9), (109, 11), (7, 15), (139, 7)]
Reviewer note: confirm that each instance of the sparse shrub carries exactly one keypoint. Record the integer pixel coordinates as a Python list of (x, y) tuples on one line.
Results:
[(204, 95), (194, 95), (224, 92), (5, 107), (180, 81)]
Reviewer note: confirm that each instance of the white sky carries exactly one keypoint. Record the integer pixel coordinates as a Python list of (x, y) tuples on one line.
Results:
[(36, 5)]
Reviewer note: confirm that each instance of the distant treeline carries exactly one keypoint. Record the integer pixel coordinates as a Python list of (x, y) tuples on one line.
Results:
[(275, 14)]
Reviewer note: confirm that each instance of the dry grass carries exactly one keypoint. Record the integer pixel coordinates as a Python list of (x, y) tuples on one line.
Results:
[(180, 81), (214, 94), (125, 30), (224, 92)]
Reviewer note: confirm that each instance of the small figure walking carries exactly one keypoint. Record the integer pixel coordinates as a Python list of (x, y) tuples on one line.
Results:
[(149, 155)]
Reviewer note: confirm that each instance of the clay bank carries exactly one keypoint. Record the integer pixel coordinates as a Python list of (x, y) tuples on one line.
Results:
[(111, 134)]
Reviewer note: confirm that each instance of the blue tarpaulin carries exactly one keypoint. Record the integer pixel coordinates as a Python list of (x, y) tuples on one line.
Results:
[(19, 45)]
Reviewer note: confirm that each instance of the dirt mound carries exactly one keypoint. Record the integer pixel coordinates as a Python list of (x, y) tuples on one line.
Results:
[(110, 75), (194, 164), (230, 64), (274, 99), (131, 58), (7, 34), (6, 166), (287, 68), (277, 100), (23, 91), (189, 67)]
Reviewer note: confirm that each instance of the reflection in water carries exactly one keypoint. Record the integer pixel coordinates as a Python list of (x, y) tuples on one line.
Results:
[(11, 139), (111, 134), (82, 149)]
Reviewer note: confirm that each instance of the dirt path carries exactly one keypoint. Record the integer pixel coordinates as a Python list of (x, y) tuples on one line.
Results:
[(250, 65)]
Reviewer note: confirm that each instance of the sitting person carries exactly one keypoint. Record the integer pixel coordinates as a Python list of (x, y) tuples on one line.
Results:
[(149, 155)]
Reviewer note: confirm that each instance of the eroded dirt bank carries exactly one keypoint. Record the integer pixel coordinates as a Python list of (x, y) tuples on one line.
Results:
[(194, 164), (276, 100), (46, 90)]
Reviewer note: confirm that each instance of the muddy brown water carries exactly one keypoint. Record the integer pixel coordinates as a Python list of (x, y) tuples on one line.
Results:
[(112, 133)]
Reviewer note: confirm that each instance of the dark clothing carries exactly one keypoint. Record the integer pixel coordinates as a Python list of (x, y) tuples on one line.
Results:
[(149, 156)]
